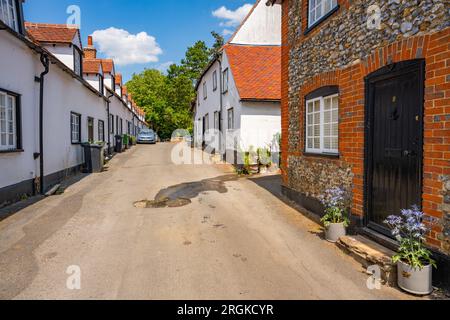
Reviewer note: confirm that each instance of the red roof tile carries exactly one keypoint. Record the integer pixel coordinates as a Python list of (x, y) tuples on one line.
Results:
[(118, 79), (52, 33), (92, 65), (108, 65), (256, 71)]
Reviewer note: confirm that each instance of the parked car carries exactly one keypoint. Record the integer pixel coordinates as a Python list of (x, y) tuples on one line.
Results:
[(147, 136)]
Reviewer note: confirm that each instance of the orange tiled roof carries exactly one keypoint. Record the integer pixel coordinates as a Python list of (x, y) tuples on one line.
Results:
[(256, 71), (52, 33), (108, 65), (119, 79), (124, 91), (92, 65)]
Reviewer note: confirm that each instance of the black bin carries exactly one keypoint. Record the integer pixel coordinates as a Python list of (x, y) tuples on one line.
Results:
[(118, 147), (93, 158)]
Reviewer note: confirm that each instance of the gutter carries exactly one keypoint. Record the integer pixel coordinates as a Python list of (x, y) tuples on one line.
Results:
[(46, 63)]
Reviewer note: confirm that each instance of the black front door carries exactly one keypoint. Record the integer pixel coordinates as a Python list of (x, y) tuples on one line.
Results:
[(394, 149)]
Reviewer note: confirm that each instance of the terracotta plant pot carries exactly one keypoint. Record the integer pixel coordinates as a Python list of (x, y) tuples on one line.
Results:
[(335, 231), (418, 282)]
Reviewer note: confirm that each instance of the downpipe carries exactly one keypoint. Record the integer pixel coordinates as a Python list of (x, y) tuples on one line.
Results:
[(109, 123), (46, 63)]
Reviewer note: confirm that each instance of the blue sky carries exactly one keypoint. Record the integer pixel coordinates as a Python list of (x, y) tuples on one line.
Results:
[(175, 25)]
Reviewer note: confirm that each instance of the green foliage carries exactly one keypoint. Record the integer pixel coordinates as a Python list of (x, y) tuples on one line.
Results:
[(410, 230), (336, 203), (196, 60), (264, 157), (335, 215), (218, 44), (166, 99), (414, 254)]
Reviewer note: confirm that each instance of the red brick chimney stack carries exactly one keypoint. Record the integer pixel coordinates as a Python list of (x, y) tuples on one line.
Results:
[(90, 52)]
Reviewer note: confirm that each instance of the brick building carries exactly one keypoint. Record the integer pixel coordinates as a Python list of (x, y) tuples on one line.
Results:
[(366, 106)]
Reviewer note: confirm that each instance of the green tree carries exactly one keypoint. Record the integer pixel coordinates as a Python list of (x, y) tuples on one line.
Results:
[(218, 44), (166, 99), (196, 60)]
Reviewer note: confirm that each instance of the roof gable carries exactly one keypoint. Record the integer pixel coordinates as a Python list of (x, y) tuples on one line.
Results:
[(262, 26)]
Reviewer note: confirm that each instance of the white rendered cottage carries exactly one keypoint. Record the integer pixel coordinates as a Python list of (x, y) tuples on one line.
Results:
[(47, 107), (239, 93)]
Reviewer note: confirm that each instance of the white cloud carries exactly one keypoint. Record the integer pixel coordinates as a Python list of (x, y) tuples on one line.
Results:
[(126, 48), (227, 32), (232, 18)]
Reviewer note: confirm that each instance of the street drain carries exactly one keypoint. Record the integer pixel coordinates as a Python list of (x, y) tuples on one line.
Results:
[(182, 194)]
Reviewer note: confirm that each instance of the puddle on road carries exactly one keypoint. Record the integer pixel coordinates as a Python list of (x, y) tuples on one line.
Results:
[(182, 194)]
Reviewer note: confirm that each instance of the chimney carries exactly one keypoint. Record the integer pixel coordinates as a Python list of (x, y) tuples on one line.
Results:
[(90, 52)]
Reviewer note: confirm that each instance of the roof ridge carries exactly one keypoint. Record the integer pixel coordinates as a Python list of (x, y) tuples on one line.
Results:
[(51, 25)]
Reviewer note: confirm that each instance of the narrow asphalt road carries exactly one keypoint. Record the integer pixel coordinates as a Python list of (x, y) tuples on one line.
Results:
[(224, 238)]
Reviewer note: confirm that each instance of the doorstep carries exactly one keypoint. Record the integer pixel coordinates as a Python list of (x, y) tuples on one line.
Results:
[(369, 253)]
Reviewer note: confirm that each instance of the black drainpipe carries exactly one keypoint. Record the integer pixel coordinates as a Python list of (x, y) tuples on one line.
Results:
[(109, 125), (221, 124), (45, 63)]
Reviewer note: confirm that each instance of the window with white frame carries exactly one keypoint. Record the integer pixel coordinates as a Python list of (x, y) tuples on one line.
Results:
[(215, 80), (322, 125), (75, 125), (318, 9), (8, 14), (205, 91), (8, 122), (225, 80)]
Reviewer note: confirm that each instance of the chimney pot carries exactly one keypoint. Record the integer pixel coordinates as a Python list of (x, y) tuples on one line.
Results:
[(90, 42)]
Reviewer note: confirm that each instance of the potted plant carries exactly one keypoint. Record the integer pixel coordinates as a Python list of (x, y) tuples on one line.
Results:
[(336, 219), (264, 160), (125, 141), (414, 261)]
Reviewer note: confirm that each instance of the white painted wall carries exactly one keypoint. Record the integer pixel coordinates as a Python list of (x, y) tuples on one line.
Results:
[(209, 105), (263, 26), (255, 123), (63, 94), (17, 75), (260, 122), (63, 52), (93, 80), (60, 153)]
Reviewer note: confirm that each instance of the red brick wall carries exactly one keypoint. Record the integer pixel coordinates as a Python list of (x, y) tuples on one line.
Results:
[(284, 88), (435, 48)]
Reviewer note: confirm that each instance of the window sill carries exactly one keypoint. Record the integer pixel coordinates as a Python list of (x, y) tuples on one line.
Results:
[(322, 155), (318, 22), (11, 151), (76, 143)]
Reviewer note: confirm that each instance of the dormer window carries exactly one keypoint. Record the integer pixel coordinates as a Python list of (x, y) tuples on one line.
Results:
[(8, 14), (77, 62), (318, 9)]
